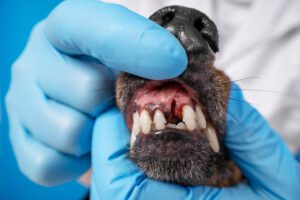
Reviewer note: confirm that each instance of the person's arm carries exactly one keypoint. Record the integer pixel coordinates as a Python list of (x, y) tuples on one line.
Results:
[(65, 78), (271, 170)]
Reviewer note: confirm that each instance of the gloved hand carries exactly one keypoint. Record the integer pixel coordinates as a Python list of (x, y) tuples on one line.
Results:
[(271, 170), (65, 77)]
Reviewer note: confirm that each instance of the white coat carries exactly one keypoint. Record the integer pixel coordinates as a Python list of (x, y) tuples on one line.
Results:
[(259, 40)]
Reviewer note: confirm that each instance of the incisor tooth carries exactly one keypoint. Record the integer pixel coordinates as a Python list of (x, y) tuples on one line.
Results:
[(159, 120), (181, 126), (136, 124), (145, 122), (200, 117), (212, 138), (189, 117), (169, 125)]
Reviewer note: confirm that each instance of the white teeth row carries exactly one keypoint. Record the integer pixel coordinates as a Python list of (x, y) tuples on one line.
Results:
[(191, 119)]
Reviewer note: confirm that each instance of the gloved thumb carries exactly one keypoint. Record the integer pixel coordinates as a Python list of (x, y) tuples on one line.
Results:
[(117, 37), (111, 167)]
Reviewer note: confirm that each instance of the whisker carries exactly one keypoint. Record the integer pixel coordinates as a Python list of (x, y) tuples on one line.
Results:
[(248, 102), (237, 80), (237, 120), (267, 91)]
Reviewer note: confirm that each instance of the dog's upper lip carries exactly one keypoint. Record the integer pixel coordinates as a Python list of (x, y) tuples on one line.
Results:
[(151, 84)]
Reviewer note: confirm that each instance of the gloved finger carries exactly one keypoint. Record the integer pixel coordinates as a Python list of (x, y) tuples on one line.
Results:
[(114, 175), (79, 83), (40, 163), (259, 151), (110, 157), (54, 124), (117, 37)]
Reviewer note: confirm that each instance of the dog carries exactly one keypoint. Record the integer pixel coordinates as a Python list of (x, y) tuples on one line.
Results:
[(178, 125)]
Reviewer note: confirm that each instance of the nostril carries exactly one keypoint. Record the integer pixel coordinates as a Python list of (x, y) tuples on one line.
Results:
[(164, 15), (167, 17), (199, 24)]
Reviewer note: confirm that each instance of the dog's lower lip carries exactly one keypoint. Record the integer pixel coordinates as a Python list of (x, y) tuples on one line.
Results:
[(170, 134)]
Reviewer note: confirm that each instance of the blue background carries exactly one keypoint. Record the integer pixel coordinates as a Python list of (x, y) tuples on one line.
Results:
[(17, 17)]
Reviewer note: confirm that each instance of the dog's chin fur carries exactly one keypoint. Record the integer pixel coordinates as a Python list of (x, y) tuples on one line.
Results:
[(178, 157)]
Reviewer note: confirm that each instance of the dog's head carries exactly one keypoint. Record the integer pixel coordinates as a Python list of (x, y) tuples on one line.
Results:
[(177, 125)]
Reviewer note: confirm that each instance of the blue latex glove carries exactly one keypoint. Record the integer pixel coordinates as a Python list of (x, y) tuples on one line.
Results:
[(65, 77), (264, 159)]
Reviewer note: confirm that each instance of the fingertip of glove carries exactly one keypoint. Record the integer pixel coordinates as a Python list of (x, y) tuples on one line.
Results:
[(163, 55)]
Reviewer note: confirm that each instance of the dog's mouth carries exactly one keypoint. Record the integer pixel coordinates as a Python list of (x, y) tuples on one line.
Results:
[(169, 107), (171, 133)]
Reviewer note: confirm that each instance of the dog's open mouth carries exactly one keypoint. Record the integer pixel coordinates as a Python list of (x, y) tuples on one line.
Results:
[(169, 108), (172, 138)]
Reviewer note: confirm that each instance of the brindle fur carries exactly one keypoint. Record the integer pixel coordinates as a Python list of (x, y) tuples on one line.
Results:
[(192, 162)]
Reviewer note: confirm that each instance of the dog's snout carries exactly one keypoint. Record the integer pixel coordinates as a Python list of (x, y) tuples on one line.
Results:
[(195, 31)]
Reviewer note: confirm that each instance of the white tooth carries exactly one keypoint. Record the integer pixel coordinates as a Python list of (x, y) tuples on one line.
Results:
[(169, 125), (136, 124), (159, 120), (212, 138), (181, 126), (189, 117), (132, 140), (200, 117), (145, 122)]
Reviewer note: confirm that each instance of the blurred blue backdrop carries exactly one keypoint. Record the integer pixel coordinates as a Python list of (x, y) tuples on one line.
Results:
[(17, 17)]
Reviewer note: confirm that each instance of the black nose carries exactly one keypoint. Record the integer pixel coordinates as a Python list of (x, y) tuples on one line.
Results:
[(195, 31)]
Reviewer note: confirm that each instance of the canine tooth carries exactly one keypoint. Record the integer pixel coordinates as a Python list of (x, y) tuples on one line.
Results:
[(136, 124), (200, 117), (169, 125), (145, 122), (189, 117), (181, 126), (132, 140), (159, 120), (212, 139)]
